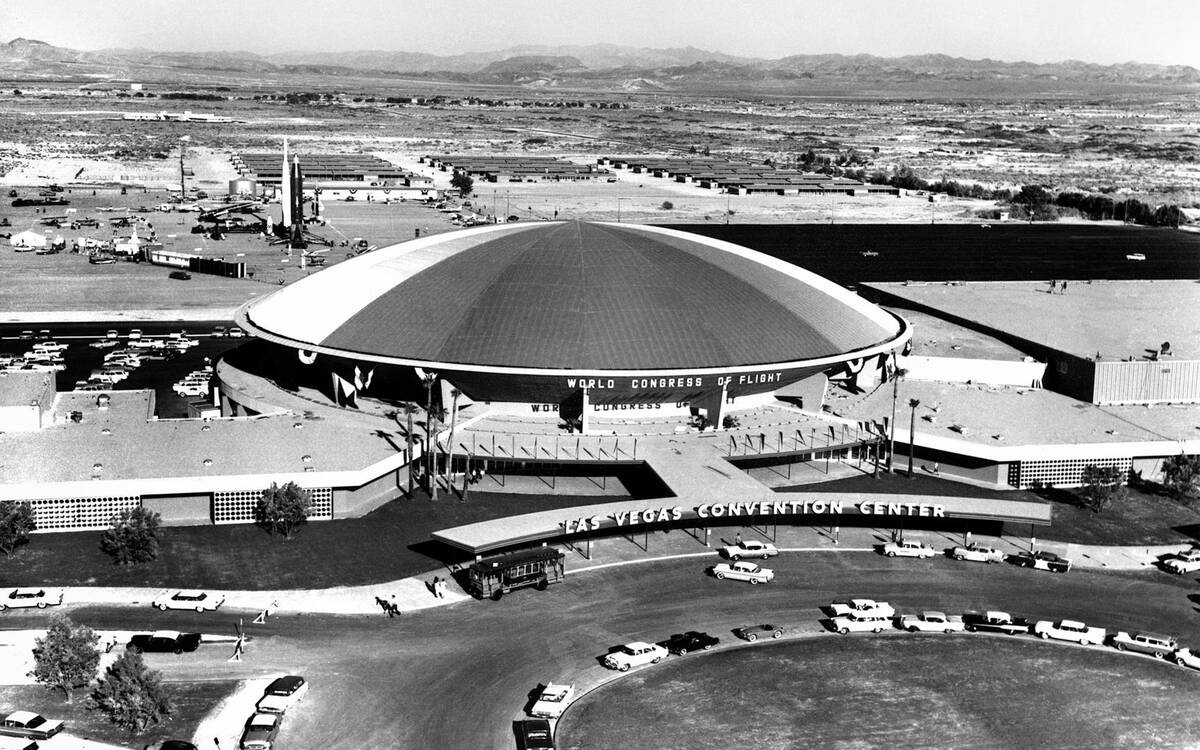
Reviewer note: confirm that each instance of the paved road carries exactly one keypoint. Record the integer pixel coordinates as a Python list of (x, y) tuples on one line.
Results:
[(456, 677)]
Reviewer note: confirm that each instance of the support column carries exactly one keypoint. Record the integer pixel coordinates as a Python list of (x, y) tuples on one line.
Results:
[(583, 415)]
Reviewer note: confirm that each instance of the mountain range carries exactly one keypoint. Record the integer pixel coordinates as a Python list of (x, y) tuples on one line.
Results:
[(596, 67)]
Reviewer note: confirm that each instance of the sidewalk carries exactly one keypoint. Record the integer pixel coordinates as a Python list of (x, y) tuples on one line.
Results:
[(414, 594)]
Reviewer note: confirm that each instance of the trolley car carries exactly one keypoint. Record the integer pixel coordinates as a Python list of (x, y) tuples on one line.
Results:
[(496, 576)]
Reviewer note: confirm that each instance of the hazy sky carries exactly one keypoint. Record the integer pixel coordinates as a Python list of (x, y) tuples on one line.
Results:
[(1103, 31)]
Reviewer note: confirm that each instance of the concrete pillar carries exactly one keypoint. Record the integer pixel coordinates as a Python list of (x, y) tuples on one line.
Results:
[(583, 416)]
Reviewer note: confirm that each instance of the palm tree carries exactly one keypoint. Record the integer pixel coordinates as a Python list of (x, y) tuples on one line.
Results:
[(428, 380), (913, 403), (899, 373), (408, 410), (454, 394)]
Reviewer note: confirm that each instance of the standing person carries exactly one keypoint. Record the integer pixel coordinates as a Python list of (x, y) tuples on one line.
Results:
[(393, 610), (1064, 286), (737, 539), (440, 588), (1053, 284)]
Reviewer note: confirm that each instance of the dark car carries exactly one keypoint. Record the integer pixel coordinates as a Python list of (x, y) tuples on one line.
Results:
[(535, 734), (754, 632), (282, 694), (172, 745), (1041, 561), (165, 642), (181, 275), (994, 622), (681, 643)]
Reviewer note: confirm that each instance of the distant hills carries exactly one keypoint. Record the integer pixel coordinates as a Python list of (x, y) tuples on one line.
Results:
[(596, 67)]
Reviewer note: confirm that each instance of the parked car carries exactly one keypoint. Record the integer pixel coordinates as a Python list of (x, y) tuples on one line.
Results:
[(165, 642), (862, 608), (236, 333), (977, 553), (179, 275), (753, 632), (743, 571), (1040, 561), (186, 599), (635, 654), (553, 700), (908, 549), (994, 622), (681, 643), (750, 548), (29, 724), (260, 731), (932, 622), (1144, 643), (1185, 658), (535, 734), (282, 694), (23, 598), (851, 624), (172, 745), (1069, 630), (1187, 561)]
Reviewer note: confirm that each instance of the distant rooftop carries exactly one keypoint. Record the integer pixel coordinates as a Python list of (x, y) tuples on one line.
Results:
[(1117, 319), (22, 387)]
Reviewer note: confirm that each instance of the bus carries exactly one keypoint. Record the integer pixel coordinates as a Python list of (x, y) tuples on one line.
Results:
[(496, 576)]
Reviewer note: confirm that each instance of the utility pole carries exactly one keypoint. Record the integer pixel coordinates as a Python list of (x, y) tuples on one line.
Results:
[(182, 186)]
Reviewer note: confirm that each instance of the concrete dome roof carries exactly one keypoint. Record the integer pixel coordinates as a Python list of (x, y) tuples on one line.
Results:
[(571, 296)]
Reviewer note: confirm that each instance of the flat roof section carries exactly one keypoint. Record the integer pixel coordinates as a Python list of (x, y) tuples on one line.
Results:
[(485, 536), (1117, 319), (21, 388)]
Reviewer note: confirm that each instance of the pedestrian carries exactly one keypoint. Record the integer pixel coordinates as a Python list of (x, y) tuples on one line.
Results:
[(439, 588), (1064, 286), (737, 539), (437, 582), (393, 610), (1053, 284)]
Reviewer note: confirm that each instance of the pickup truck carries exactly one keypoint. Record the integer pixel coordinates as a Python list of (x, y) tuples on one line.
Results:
[(995, 622)]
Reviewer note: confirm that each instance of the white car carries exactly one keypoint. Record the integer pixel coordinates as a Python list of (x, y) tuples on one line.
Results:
[(750, 548), (850, 624), (743, 571), (553, 700), (1069, 630), (23, 598), (200, 601), (862, 608), (1185, 658), (977, 553), (1154, 644), (283, 693), (1187, 561), (635, 654), (932, 622), (908, 549)]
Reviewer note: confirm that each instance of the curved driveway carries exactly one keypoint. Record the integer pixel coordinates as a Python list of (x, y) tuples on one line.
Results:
[(457, 676)]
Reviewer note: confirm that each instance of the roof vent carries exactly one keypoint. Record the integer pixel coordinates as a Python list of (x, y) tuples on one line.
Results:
[(306, 458), (105, 431), (206, 428), (207, 462)]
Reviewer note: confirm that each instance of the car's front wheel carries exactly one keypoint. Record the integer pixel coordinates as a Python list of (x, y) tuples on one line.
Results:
[(1120, 646), (752, 637), (877, 630), (682, 652), (41, 605), (708, 647), (3, 607), (755, 581), (1159, 655), (656, 660), (891, 554), (844, 630), (960, 558), (1043, 635), (912, 628), (200, 608), (624, 667), (777, 634), (720, 575), (1179, 660), (162, 607)]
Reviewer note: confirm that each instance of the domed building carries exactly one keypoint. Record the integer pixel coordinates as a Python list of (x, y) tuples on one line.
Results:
[(570, 317)]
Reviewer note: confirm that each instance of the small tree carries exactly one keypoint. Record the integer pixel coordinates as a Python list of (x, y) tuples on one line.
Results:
[(282, 510), (1102, 485), (131, 694), (463, 182), (16, 521), (667, 205), (67, 657), (1181, 476), (133, 536)]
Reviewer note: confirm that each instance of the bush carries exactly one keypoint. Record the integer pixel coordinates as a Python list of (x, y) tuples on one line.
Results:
[(282, 510), (667, 205), (16, 521), (133, 536), (131, 694), (67, 657)]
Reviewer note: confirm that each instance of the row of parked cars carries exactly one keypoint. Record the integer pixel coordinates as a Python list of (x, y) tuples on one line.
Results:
[(975, 552), (861, 615)]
